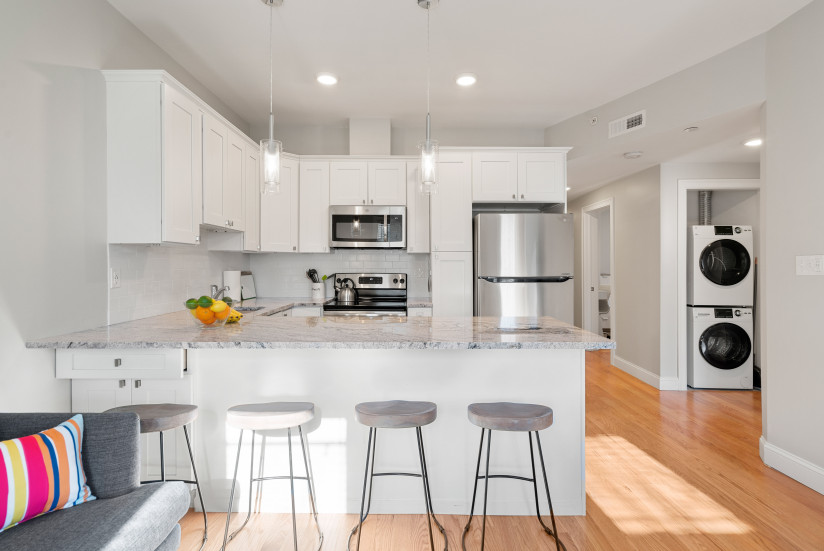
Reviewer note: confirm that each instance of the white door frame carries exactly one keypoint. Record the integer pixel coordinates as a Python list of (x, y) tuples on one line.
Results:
[(685, 186), (586, 255)]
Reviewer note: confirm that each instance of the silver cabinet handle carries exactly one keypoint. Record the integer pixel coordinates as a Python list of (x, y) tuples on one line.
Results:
[(372, 201), (258, 247), (137, 383), (117, 362), (122, 383), (197, 238), (513, 196), (364, 201), (294, 248), (522, 196)]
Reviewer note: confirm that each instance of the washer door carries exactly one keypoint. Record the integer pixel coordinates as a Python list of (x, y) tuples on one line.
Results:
[(725, 262), (725, 346)]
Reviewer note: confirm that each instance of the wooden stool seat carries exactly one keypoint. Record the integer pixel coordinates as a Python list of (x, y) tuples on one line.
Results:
[(509, 416), (396, 414), (270, 415), (160, 417)]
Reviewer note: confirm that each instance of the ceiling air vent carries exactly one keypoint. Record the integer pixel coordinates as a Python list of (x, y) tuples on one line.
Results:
[(627, 124)]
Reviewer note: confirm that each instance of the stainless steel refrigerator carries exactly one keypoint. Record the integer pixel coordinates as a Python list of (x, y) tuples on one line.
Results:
[(524, 265)]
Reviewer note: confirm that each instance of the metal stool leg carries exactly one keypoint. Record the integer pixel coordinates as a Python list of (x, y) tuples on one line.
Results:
[(162, 460), (251, 481), (474, 491), (292, 484), (199, 492), (486, 485), (232, 493), (554, 532), (307, 462), (361, 518), (426, 500), (428, 492)]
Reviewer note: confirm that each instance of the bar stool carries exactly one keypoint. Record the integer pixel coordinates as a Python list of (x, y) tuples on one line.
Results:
[(395, 414), (273, 416), (161, 417), (507, 416)]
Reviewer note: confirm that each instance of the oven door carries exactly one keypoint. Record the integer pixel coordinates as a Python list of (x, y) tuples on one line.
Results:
[(366, 227)]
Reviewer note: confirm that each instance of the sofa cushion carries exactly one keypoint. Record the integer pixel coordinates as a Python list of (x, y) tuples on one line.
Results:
[(42, 473), (140, 520)]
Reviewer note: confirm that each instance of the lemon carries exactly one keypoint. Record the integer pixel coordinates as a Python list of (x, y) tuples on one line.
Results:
[(205, 302), (218, 306)]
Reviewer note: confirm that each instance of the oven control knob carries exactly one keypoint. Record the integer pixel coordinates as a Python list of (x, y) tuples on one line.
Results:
[(403, 281), (395, 280), (337, 280), (737, 313)]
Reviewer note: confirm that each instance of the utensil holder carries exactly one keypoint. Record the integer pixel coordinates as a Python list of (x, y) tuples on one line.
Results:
[(318, 292)]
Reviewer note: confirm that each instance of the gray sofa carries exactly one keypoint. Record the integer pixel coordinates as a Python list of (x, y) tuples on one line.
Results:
[(126, 516)]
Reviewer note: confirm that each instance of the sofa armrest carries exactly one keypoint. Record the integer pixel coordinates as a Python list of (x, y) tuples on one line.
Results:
[(111, 446)]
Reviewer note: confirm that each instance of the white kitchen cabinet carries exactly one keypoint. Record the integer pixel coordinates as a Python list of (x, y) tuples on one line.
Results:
[(519, 176), (313, 235), (367, 183), (452, 288), (251, 198), (451, 206), (419, 311), (279, 211), (348, 182), (307, 311), (417, 211), (223, 164), (154, 159)]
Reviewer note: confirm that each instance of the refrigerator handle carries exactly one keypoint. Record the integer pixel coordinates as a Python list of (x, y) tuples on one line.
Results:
[(548, 279)]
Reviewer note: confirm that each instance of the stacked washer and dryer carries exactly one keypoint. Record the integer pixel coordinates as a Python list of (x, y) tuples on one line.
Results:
[(720, 285)]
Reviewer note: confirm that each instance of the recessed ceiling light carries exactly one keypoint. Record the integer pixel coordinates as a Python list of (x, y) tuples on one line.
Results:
[(633, 154), (466, 79), (327, 79), (691, 129), (754, 142)]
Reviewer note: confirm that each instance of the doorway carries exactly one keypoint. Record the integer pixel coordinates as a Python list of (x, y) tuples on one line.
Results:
[(598, 305)]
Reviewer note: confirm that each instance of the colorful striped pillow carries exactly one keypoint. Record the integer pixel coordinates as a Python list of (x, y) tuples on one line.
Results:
[(42, 473)]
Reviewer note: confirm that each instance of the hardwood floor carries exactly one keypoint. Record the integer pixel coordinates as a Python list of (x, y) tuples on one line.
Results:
[(665, 471)]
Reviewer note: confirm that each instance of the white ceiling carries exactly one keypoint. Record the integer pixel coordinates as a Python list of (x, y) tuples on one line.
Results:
[(538, 61)]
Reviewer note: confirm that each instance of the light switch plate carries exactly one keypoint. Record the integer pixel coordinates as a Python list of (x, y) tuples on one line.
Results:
[(809, 265)]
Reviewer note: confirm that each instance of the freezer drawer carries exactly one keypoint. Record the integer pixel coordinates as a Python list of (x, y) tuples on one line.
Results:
[(525, 299)]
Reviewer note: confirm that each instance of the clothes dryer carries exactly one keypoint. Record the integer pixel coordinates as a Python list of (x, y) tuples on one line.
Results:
[(720, 348), (720, 266)]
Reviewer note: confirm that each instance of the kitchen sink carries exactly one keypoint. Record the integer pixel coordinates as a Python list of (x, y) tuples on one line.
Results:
[(249, 308)]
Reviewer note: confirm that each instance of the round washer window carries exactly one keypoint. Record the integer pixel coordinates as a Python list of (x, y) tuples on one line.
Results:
[(725, 346), (725, 262)]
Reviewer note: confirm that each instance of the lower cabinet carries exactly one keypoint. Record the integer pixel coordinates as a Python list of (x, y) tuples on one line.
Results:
[(307, 311), (452, 287), (419, 312)]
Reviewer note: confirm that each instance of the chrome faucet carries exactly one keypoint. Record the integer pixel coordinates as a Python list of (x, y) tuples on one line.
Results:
[(217, 292)]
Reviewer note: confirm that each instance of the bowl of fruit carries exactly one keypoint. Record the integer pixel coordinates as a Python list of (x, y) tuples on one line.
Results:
[(208, 312)]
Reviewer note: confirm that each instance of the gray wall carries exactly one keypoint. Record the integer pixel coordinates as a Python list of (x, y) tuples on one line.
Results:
[(637, 265), (53, 177), (793, 196)]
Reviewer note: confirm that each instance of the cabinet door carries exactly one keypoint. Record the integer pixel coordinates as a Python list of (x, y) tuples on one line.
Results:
[(215, 172), (452, 284), (279, 212), (251, 193), (347, 182), (176, 455), (494, 176), (417, 211), (451, 214), (419, 312), (182, 168), (233, 203), (313, 235), (96, 395), (542, 177), (387, 183)]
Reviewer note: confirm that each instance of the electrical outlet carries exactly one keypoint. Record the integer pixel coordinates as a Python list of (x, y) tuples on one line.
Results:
[(809, 265), (115, 278)]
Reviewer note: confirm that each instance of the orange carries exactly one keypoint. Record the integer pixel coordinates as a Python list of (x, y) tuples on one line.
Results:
[(206, 316), (223, 314)]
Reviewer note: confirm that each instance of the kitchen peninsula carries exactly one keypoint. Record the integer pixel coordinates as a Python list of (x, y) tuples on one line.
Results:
[(338, 362)]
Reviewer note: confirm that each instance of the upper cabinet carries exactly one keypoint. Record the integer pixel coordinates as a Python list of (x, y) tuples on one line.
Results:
[(367, 182), (534, 176), (154, 159), (223, 168), (417, 211), (313, 235), (251, 197), (451, 206), (279, 211)]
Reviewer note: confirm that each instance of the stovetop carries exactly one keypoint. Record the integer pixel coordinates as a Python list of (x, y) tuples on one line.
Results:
[(376, 292)]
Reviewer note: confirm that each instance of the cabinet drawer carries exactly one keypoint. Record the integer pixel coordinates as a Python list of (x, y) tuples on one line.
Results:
[(120, 364), (419, 312)]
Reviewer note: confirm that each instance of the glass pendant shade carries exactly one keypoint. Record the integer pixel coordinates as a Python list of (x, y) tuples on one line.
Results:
[(429, 166), (270, 151)]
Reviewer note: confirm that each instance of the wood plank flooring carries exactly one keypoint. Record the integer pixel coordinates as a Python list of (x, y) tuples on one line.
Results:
[(665, 471)]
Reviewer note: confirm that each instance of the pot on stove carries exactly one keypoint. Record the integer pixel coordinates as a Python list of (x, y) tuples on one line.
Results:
[(347, 295)]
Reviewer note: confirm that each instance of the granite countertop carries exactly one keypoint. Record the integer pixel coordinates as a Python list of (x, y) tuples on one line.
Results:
[(415, 302), (257, 330)]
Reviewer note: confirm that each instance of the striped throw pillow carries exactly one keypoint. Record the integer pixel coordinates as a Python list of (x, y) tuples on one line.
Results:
[(42, 473)]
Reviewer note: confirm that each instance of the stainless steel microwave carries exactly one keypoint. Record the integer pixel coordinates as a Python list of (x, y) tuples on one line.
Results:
[(367, 227)]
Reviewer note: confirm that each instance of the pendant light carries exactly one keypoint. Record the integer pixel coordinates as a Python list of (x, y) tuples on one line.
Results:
[(271, 149), (428, 147)]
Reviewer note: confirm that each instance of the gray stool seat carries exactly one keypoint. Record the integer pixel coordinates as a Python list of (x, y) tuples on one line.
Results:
[(396, 414), (509, 416), (270, 415), (160, 417)]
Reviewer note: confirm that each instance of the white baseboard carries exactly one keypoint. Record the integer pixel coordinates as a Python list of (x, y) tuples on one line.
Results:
[(638, 372), (791, 465)]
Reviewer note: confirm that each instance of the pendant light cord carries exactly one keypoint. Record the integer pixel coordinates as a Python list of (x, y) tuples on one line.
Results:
[(428, 62), (271, 79)]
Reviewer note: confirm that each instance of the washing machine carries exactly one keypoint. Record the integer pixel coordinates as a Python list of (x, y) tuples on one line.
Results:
[(720, 266), (720, 348)]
